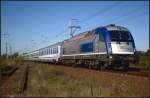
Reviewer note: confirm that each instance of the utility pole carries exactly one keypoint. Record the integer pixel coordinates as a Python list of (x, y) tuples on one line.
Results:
[(6, 49), (10, 49), (73, 26), (6, 35)]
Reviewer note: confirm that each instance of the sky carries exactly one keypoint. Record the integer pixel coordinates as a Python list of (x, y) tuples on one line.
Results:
[(30, 25)]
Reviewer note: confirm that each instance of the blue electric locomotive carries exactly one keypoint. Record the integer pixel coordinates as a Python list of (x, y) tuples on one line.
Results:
[(107, 46)]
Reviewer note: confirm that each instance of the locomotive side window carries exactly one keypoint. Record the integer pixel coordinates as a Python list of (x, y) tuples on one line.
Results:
[(86, 47), (101, 37)]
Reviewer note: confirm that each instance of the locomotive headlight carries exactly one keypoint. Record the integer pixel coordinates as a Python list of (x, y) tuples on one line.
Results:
[(110, 57)]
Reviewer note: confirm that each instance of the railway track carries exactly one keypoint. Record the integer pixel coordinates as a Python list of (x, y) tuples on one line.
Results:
[(138, 72), (24, 80), (131, 71), (15, 79)]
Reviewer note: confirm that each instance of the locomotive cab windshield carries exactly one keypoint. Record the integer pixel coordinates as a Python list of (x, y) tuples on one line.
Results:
[(120, 36), (121, 42)]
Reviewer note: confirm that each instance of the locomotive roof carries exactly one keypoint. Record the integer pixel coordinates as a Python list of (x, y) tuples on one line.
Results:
[(113, 27), (108, 27)]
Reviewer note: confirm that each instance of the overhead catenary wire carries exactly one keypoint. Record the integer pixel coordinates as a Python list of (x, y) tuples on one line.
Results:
[(135, 17), (128, 14), (99, 12), (124, 15)]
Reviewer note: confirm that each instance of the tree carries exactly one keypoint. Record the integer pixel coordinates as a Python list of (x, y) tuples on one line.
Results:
[(148, 52), (15, 55)]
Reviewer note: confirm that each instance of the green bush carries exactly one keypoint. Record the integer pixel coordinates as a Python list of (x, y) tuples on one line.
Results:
[(143, 63)]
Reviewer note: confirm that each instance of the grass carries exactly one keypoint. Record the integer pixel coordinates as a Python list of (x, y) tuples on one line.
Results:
[(6, 64), (46, 80), (143, 63)]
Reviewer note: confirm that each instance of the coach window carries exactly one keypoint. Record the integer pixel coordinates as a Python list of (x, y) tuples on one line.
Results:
[(64, 50), (56, 49), (42, 52), (46, 51), (52, 50), (49, 50)]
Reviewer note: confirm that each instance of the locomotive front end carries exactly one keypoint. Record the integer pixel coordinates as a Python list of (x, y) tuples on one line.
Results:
[(122, 47)]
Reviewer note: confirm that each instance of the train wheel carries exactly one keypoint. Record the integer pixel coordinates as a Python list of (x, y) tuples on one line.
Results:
[(90, 66), (74, 65), (104, 66)]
